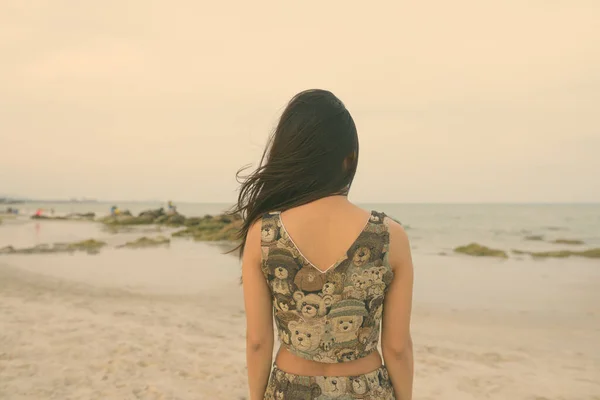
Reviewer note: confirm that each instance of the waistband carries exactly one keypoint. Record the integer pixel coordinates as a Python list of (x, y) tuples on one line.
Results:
[(376, 382), (381, 370)]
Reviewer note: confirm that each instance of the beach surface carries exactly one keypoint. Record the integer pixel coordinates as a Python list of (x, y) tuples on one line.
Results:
[(168, 323)]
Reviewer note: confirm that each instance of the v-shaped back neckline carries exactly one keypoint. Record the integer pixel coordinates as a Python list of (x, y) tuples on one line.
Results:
[(339, 260)]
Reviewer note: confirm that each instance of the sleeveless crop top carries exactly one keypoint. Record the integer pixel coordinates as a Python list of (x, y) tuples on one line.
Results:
[(332, 316)]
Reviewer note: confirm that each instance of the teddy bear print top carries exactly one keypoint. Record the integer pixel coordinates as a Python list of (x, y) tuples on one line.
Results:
[(334, 315)]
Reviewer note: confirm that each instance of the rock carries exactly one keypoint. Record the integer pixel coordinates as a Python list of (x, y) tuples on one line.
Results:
[(68, 217), (90, 246), (7, 250), (145, 218), (553, 254), (127, 220), (218, 228), (161, 220), (226, 219), (176, 220), (222, 227), (89, 215), (534, 237), (144, 242), (193, 221), (58, 247), (140, 220), (475, 249), (568, 241), (37, 249), (183, 233), (590, 253), (152, 213), (47, 217)]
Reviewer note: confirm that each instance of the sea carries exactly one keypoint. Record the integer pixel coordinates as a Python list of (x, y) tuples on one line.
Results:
[(562, 290), (433, 229)]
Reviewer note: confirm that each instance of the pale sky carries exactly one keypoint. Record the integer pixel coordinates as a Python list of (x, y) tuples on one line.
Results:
[(455, 101)]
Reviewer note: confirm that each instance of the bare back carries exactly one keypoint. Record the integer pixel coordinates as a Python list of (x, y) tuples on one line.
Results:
[(332, 221)]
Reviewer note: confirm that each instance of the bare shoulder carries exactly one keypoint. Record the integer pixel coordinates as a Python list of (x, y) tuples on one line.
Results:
[(396, 231), (399, 251), (252, 248), (255, 229)]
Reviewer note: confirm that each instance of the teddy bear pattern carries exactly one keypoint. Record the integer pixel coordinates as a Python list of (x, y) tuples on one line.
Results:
[(332, 316), (372, 386)]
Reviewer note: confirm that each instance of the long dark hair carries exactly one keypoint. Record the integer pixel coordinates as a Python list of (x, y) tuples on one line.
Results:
[(313, 153)]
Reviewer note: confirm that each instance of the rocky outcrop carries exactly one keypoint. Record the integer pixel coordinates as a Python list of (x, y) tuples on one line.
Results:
[(89, 215), (218, 228), (568, 241), (126, 220), (49, 217), (590, 253), (145, 242), (477, 250), (89, 246), (146, 218), (556, 241), (224, 227), (154, 214), (70, 217), (7, 250)]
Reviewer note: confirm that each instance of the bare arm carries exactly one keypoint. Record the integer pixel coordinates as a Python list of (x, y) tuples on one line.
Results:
[(259, 316), (396, 342)]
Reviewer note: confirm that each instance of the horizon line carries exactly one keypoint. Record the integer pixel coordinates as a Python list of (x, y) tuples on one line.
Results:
[(464, 202)]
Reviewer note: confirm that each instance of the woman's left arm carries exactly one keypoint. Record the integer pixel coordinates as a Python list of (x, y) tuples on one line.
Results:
[(259, 316)]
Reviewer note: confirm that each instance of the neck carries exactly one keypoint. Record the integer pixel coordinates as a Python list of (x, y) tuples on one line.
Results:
[(333, 199)]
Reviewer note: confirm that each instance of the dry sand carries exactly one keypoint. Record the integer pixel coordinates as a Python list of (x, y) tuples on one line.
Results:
[(71, 330)]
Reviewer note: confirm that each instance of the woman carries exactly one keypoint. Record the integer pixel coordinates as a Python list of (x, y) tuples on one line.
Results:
[(329, 272)]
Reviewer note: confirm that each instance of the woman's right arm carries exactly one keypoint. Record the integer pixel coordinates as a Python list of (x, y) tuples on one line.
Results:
[(396, 342)]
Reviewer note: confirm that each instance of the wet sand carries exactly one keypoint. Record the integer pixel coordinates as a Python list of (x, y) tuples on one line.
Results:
[(169, 324)]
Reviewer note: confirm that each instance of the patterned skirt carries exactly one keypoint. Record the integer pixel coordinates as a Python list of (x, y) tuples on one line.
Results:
[(374, 385)]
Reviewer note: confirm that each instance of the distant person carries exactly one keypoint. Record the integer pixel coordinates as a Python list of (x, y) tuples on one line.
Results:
[(114, 211), (331, 273), (171, 209)]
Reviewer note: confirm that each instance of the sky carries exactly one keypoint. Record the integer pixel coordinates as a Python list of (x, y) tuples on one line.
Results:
[(455, 101)]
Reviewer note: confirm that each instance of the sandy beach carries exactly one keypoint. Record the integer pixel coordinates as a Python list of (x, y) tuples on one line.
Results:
[(168, 323)]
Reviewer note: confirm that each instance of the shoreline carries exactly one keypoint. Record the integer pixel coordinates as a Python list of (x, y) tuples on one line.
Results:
[(222, 229)]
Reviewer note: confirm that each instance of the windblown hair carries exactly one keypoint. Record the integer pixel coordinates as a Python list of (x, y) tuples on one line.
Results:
[(313, 153)]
